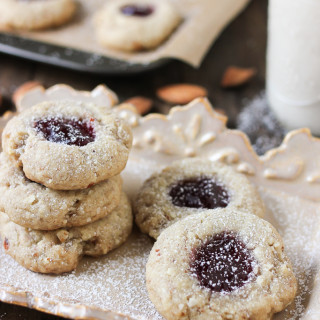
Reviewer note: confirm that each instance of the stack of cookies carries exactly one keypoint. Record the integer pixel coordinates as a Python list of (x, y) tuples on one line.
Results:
[(61, 192)]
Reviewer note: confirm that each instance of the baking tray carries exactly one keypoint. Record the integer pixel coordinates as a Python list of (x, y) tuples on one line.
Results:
[(74, 45), (71, 58), (113, 286)]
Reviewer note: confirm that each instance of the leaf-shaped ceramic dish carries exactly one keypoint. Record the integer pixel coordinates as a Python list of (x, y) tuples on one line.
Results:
[(101, 96), (113, 286)]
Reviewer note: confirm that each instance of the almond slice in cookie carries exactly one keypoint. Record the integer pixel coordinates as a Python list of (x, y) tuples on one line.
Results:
[(181, 93)]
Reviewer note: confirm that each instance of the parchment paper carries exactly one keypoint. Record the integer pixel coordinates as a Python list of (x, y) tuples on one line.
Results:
[(203, 22)]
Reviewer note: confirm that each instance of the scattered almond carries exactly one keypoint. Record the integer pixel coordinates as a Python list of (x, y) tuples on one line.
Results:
[(234, 76), (142, 104), (23, 89), (181, 93)]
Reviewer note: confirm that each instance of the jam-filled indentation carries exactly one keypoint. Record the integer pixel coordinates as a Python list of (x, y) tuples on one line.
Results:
[(138, 10), (223, 263), (70, 131), (200, 192)]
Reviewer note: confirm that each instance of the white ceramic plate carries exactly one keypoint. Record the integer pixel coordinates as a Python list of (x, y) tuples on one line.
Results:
[(113, 286)]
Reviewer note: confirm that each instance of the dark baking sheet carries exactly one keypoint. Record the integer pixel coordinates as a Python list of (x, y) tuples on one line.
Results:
[(70, 58)]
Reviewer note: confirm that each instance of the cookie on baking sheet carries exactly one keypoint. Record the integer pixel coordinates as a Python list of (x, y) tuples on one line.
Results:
[(68, 145), (35, 206), (60, 250), (35, 14), (189, 186), (230, 265), (135, 25)]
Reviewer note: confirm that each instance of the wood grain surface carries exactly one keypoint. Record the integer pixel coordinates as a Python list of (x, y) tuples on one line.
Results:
[(243, 44)]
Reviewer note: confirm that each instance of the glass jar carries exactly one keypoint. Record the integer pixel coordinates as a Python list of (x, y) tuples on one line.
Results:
[(293, 62)]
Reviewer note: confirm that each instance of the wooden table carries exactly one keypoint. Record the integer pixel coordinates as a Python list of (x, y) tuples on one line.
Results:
[(243, 43)]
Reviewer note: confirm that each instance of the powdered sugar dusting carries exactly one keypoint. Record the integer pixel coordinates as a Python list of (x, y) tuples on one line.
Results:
[(260, 124), (297, 221), (116, 282), (223, 263), (200, 192), (71, 131)]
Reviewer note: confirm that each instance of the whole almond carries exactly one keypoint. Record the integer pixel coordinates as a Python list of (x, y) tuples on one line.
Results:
[(235, 76), (181, 93), (142, 104), (23, 89)]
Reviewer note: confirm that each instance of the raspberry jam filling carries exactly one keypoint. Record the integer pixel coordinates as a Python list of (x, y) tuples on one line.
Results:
[(199, 193), (138, 10), (223, 263), (70, 131)]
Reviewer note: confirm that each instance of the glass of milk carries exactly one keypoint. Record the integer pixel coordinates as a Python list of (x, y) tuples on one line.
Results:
[(293, 62)]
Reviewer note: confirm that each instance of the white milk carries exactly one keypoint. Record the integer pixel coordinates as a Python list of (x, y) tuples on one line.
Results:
[(293, 62)]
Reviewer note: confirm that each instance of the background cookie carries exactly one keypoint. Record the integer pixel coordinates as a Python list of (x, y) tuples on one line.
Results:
[(189, 186), (35, 14), (35, 206), (60, 250), (216, 267), (66, 145), (135, 25)]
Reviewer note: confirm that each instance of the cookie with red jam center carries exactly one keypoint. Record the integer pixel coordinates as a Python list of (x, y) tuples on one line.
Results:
[(214, 266), (189, 186), (68, 145), (135, 25), (35, 14)]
